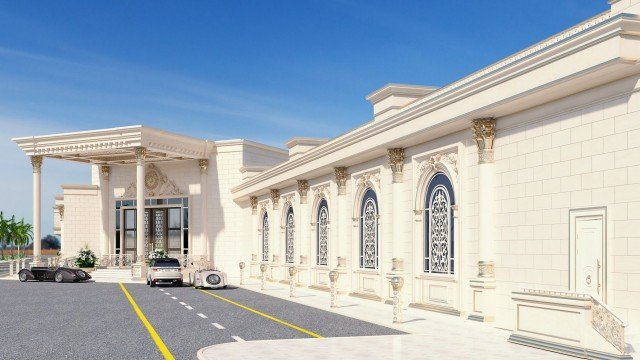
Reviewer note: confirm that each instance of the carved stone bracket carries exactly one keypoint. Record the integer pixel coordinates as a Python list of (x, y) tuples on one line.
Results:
[(368, 178), (204, 165), (36, 163), (141, 153), (105, 170), (254, 205), (484, 133), (275, 197), (320, 190), (396, 162), (303, 189), (486, 269), (61, 211), (341, 179)]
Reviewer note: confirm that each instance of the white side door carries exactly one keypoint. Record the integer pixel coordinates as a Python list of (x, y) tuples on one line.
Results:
[(589, 269)]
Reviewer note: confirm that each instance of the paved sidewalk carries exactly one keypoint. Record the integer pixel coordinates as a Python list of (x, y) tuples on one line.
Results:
[(434, 335)]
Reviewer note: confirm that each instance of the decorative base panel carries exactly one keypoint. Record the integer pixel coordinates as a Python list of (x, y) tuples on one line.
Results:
[(366, 296), (566, 349)]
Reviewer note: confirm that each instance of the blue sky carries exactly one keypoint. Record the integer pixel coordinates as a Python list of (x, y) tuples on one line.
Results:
[(259, 70)]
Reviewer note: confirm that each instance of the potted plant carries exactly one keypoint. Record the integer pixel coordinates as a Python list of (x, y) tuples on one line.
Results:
[(86, 259), (158, 253)]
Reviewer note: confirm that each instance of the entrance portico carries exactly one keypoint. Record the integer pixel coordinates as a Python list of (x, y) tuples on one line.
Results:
[(120, 147)]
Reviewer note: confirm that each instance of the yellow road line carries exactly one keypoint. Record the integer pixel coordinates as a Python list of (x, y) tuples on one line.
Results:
[(273, 318), (154, 335)]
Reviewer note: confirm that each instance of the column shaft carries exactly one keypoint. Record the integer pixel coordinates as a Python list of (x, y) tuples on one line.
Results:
[(104, 207), (140, 186), (486, 229), (205, 246), (36, 162)]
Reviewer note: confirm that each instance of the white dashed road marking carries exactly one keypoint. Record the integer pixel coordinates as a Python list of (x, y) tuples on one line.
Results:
[(167, 294), (182, 303), (189, 307), (218, 326), (161, 289), (238, 338), (202, 315), (174, 298)]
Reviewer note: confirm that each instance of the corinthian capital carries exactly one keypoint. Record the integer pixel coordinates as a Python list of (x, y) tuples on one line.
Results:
[(396, 161), (341, 179), (484, 134), (303, 188), (204, 165), (275, 197), (36, 163), (141, 153), (105, 170), (254, 205)]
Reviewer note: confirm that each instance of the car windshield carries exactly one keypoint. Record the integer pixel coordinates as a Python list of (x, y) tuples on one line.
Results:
[(166, 263)]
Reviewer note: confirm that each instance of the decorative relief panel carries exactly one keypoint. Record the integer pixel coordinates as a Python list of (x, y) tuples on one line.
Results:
[(450, 159), (323, 234), (290, 238), (156, 183)]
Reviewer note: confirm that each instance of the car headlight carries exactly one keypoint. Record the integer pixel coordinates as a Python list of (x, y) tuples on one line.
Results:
[(213, 279)]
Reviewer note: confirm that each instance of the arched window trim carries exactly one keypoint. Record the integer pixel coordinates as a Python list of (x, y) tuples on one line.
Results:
[(290, 236), (439, 182), (265, 237), (369, 261), (322, 234)]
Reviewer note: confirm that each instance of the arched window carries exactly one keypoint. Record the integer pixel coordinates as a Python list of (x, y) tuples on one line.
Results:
[(439, 254), (322, 235), (289, 236), (369, 231), (265, 237)]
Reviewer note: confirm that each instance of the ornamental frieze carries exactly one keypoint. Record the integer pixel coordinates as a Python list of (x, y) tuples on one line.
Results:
[(448, 159), (156, 183)]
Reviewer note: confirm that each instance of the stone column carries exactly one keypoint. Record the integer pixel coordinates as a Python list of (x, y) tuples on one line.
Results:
[(274, 233), (484, 285), (396, 162), (141, 154), (36, 163), (302, 229), (254, 235), (342, 217), (105, 171), (61, 213), (205, 247)]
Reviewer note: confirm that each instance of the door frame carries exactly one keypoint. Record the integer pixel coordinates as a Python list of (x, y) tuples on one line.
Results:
[(574, 215), (152, 207)]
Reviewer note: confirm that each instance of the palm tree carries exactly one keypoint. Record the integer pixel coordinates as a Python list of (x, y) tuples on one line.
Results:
[(4, 232), (24, 235)]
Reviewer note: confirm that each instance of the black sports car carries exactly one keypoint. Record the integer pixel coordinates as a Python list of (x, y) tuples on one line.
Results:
[(57, 274)]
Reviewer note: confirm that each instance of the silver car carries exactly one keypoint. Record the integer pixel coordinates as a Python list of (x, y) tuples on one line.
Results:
[(164, 271)]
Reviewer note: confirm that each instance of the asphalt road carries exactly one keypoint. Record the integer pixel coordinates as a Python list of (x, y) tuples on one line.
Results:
[(95, 320)]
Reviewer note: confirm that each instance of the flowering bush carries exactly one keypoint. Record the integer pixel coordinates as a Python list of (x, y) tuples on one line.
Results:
[(157, 254), (86, 258)]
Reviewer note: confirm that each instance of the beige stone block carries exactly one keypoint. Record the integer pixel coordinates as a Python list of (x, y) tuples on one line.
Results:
[(581, 133), (626, 264), (551, 216), (633, 211), (615, 177), (602, 196), (633, 244), (581, 166), (627, 122), (626, 228), (633, 174), (533, 159), (603, 162), (542, 142), (618, 281), (571, 183), (542, 172), (561, 169), (633, 282), (603, 128), (627, 299), (627, 193), (542, 201), (571, 151), (615, 142), (525, 175), (592, 180), (552, 277), (533, 130), (633, 138), (551, 247), (580, 198), (592, 147), (542, 261), (525, 146), (618, 211), (618, 246), (561, 138), (550, 126), (561, 200), (592, 114), (633, 104), (559, 262)]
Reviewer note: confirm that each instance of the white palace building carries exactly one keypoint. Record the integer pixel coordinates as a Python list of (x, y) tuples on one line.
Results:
[(511, 196)]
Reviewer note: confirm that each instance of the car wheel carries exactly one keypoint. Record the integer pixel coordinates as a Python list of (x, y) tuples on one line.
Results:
[(152, 284), (23, 276), (179, 283), (58, 277), (147, 281)]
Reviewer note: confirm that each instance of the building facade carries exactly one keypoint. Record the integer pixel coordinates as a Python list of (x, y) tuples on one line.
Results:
[(525, 174)]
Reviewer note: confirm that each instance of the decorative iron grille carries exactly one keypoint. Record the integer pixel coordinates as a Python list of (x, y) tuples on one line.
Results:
[(323, 233), (290, 235), (265, 238), (369, 232)]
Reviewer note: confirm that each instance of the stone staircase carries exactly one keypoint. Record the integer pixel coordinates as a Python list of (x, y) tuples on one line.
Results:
[(112, 274)]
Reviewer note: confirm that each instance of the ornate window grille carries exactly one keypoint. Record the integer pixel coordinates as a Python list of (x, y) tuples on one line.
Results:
[(265, 237), (323, 233), (369, 231), (439, 254), (290, 236)]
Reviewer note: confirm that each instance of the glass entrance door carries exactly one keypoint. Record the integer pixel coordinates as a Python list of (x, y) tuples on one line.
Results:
[(162, 228)]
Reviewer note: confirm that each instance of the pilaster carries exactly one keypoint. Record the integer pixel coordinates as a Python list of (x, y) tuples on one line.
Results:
[(36, 163)]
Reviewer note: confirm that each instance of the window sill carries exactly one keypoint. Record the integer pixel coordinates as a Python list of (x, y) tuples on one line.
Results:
[(443, 278)]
